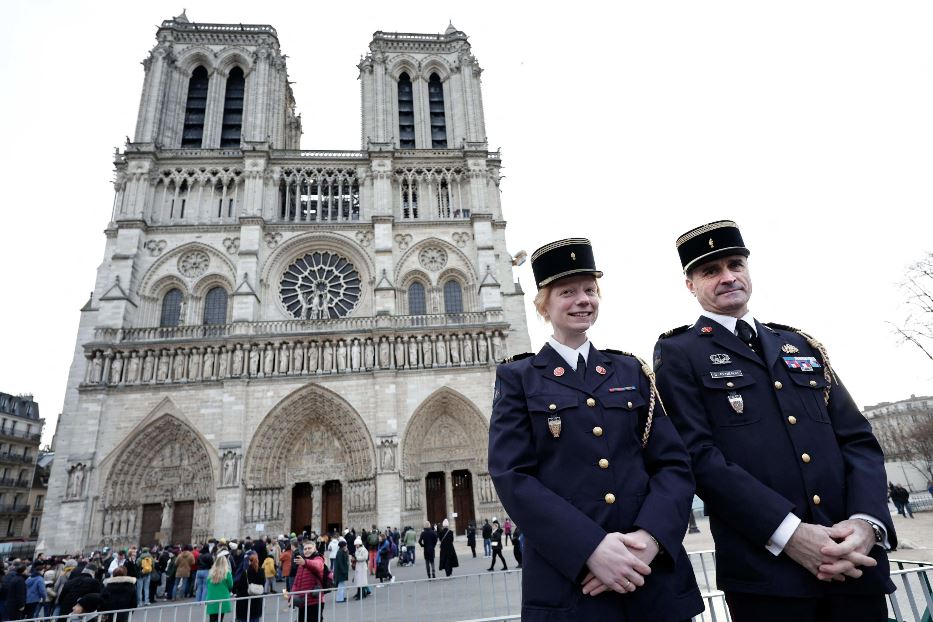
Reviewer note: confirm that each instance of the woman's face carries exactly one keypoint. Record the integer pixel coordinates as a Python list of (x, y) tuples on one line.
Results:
[(572, 306)]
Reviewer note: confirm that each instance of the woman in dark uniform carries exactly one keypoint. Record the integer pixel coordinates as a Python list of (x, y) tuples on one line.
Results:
[(580, 449)]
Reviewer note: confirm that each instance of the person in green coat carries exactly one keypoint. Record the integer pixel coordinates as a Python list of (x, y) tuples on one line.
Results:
[(219, 584)]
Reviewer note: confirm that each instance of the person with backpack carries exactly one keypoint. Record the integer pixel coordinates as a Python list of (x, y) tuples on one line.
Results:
[(145, 565), (372, 545), (311, 577)]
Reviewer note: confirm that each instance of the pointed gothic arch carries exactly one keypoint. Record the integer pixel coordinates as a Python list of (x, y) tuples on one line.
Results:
[(447, 434), (164, 463), (313, 436)]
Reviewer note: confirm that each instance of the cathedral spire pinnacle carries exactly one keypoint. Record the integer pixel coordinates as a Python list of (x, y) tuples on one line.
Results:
[(451, 29), (181, 19)]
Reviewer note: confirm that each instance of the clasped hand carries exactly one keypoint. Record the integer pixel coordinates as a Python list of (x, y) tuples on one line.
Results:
[(620, 563), (833, 553)]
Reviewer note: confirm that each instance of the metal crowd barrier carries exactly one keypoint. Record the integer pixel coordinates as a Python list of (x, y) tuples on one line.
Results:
[(487, 597)]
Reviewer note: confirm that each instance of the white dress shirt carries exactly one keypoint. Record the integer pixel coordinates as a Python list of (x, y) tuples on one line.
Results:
[(570, 354)]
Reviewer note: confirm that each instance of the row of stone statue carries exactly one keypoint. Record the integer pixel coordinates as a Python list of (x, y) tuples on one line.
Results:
[(265, 504), (199, 363)]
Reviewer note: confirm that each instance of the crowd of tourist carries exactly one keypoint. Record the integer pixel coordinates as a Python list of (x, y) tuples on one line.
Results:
[(297, 564)]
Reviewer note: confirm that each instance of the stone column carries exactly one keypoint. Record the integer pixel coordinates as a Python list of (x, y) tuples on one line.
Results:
[(449, 499), (317, 505)]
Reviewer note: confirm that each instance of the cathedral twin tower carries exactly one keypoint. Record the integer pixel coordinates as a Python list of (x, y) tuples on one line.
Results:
[(282, 339)]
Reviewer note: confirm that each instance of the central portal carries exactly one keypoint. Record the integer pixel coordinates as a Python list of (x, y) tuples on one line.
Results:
[(302, 506), (332, 514)]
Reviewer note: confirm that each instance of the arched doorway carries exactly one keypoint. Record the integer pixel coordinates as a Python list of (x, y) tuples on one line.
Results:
[(444, 459), (311, 466), (160, 488)]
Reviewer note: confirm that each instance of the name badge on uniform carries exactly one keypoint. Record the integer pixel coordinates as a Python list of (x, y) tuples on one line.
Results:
[(553, 424), (727, 373), (737, 403), (803, 363)]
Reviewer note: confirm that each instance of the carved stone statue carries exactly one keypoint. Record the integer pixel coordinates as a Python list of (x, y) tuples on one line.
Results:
[(194, 364), (148, 366), (388, 456), (237, 360), (313, 357), (467, 350), (426, 351), (178, 370), (284, 359), (222, 358), (97, 368), (383, 353), (341, 355), (412, 353), (399, 353), (328, 356), (116, 370), (355, 355), (440, 348), (207, 372), (368, 354), (497, 351), (454, 344), (481, 348), (228, 476), (254, 361), (268, 359), (76, 483), (298, 355)]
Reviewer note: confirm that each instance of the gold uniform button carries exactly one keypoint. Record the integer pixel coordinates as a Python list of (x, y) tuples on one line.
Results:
[(597, 431), (603, 463), (552, 407), (805, 458), (610, 498), (778, 385), (813, 383), (730, 384), (590, 402), (816, 499), (792, 420)]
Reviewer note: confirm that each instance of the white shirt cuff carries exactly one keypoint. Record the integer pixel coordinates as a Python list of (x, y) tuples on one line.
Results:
[(884, 532), (782, 534)]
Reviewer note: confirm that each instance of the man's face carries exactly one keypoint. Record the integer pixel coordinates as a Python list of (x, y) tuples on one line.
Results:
[(308, 551), (722, 286)]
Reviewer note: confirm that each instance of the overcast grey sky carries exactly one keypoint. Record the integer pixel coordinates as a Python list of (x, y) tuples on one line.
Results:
[(809, 123)]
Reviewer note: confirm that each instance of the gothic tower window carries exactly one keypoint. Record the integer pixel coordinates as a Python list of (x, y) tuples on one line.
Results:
[(409, 190), (406, 113), (453, 297), (233, 109), (416, 300), (171, 308), (193, 131), (215, 306), (436, 105)]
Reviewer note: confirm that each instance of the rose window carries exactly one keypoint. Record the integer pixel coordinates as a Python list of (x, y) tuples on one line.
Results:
[(320, 286)]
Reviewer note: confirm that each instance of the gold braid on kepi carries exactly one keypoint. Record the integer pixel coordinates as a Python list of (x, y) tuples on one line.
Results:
[(655, 395), (828, 372)]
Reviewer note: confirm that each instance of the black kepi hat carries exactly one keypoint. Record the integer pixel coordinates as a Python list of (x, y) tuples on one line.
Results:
[(563, 258), (710, 241)]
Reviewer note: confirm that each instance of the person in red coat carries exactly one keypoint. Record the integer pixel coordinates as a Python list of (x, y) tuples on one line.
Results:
[(310, 577)]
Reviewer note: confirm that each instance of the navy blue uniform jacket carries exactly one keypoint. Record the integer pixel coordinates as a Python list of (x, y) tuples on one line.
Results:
[(750, 468), (555, 488)]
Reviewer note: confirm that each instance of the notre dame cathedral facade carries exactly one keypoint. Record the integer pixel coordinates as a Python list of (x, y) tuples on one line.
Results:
[(281, 339)]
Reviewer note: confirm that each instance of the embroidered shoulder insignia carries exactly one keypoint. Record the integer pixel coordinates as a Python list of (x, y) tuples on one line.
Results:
[(782, 327), (674, 331), (619, 352), (516, 357)]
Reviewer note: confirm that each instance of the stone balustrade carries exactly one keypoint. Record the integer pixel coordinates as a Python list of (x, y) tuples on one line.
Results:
[(132, 364), (292, 327)]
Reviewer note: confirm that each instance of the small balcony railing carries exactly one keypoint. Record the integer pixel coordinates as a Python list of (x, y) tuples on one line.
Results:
[(20, 434)]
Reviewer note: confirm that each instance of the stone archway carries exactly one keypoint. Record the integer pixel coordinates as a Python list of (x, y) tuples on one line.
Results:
[(159, 488), (444, 451), (311, 443)]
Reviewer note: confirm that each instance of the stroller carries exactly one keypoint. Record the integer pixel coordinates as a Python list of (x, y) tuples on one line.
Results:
[(405, 556)]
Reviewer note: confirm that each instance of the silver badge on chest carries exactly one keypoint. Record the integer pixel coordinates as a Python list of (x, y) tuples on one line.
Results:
[(737, 403), (720, 359), (553, 424)]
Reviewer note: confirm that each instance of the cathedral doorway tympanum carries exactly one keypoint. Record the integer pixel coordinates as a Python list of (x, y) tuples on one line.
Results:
[(311, 460), (444, 451), (163, 468)]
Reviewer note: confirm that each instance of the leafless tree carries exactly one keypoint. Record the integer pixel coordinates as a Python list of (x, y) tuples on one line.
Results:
[(917, 327), (912, 442)]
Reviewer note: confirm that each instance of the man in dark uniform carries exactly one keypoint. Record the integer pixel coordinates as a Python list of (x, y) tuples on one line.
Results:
[(584, 459), (791, 474)]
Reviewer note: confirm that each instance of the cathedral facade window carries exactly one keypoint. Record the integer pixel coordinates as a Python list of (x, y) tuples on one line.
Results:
[(438, 115), (321, 285), (171, 308), (232, 127), (195, 109), (453, 297), (215, 306), (417, 304), (406, 113)]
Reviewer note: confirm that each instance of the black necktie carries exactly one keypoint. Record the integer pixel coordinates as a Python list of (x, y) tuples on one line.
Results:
[(747, 335), (581, 367)]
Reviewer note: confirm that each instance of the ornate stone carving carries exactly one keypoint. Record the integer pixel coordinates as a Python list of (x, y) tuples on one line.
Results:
[(229, 469), (433, 258), (155, 247), (460, 238), (272, 239), (77, 481), (403, 240), (193, 263), (232, 245), (365, 238), (446, 432), (387, 454)]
